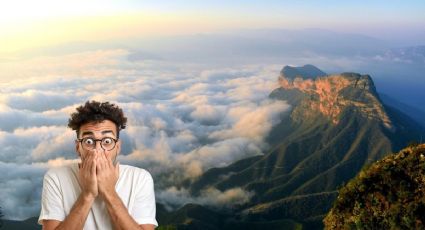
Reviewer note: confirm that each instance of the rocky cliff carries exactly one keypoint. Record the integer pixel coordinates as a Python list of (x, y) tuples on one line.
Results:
[(331, 94)]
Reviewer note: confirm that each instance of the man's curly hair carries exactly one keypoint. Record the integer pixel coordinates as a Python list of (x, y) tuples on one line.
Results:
[(94, 111)]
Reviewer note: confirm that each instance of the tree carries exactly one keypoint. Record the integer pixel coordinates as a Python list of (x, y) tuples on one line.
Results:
[(387, 195)]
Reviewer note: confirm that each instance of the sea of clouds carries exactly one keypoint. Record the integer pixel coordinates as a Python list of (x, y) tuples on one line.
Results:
[(183, 120)]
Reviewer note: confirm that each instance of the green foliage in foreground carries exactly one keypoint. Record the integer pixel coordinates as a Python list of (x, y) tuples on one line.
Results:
[(390, 194)]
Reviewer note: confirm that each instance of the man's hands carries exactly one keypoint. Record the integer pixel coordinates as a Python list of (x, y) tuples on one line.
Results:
[(97, 175), (87, 176), (107, 174)]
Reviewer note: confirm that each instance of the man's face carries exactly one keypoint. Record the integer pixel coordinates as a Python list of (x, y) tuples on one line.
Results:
[(97, 131)]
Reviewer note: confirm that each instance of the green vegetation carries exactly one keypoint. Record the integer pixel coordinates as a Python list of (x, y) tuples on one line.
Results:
[(167, 227), (390, 194), (260, 225)]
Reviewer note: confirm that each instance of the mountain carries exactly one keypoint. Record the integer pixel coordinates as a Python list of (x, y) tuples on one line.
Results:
[(194, 216), (30, 223), (305, 72), (252, 45), (337, 125)]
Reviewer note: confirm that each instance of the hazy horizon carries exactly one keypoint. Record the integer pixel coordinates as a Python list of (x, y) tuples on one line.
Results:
[(49, 22)]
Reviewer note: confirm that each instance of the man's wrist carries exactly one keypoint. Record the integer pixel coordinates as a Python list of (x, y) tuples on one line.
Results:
[(110, 196), (88, 197)]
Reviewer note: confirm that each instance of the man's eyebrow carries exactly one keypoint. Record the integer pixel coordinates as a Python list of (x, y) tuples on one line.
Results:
[(91, 133), (107, 131), (86, 133)]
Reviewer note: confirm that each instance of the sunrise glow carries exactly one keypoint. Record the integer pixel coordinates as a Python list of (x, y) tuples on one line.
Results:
[(30, 24)]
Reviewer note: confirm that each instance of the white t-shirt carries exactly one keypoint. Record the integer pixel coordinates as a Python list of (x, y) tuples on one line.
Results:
[(134, 187)]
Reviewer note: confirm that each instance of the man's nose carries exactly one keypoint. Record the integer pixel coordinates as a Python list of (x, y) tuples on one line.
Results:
[(98, 146)]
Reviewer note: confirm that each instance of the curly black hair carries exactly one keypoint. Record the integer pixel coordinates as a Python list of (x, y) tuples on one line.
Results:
[(94, 111)]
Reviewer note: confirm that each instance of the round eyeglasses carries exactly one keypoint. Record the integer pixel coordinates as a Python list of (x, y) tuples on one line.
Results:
[(89, 143)]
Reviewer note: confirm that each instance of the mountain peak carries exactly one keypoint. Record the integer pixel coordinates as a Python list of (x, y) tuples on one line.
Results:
[(332, 94), (364, 82), (305, 72)]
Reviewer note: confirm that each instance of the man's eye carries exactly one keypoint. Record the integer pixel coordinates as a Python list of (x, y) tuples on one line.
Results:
[(107, 141), (89, 141)]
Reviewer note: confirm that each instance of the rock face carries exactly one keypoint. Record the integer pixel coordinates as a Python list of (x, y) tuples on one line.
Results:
[(331, 94)]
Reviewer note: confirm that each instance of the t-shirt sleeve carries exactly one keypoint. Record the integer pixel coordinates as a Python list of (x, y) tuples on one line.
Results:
[(144, 208), (51, 199)]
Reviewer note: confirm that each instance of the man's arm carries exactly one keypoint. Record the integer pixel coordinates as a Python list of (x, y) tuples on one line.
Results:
[(76, 218), (120, 217), (80, 210), (107, 176)]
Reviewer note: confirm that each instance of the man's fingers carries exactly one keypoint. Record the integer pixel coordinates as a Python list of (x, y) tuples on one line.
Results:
[(108, 157), (105, 160), (99, 164), (89, 163), (85, 159), (99, 161), (117, 169), (93, 167), (84, 162), (108, 161)]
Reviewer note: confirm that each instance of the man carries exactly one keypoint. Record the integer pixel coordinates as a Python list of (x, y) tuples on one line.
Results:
[(98, 193)]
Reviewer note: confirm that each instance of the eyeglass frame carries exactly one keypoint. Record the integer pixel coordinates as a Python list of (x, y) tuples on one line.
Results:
[(96, 140)]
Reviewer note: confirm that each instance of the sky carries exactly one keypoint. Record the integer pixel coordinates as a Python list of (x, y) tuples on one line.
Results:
[(192, 76), (28, 24)]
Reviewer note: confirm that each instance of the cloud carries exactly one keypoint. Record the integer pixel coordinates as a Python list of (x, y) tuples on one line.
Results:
[(208, 115), (36, 144), (253, 121), (174, 197), (218, 154), (61, 144), (38, 101), (15, 118), (20, 186), (181, 120)]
